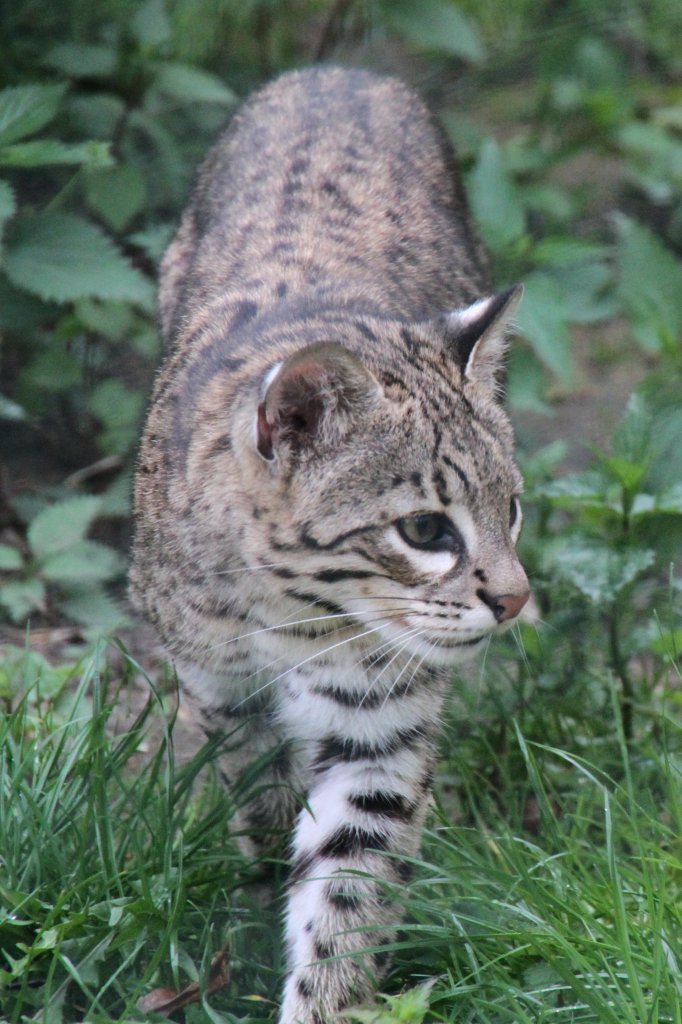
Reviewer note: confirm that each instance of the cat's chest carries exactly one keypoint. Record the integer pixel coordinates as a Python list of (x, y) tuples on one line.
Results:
[(358, 701)]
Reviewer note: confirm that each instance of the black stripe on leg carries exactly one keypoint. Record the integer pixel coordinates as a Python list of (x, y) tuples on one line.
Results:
[(305, 989), (348, 840), (388, 805), (337, 748)]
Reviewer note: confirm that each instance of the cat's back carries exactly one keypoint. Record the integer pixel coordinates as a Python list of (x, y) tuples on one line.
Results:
[(330, 182)]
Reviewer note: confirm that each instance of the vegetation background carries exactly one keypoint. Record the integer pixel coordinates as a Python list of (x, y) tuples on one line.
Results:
[(551, 884)]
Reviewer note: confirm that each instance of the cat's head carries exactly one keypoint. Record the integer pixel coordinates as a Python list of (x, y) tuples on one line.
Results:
[(386, 473)]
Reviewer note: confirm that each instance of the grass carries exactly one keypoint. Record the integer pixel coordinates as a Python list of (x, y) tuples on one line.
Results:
[(555, 896)]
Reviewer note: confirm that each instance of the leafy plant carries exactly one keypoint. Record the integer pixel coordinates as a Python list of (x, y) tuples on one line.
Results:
[(61, 556)]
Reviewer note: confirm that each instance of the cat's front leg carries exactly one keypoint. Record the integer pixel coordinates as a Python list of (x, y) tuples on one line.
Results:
[(364, 814)]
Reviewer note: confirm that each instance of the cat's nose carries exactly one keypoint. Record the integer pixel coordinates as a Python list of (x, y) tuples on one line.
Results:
[(504, 606)]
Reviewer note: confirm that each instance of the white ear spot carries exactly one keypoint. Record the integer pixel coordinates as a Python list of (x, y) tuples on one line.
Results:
[(479, 335)]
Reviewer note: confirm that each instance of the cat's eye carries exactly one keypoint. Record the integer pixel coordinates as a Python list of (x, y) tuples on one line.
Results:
[(430, 531), (514, 514)]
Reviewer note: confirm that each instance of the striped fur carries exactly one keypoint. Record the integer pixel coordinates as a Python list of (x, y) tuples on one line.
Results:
[(328, 395)]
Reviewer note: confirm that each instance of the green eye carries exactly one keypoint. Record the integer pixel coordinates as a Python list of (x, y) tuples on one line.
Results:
[(430, 531)]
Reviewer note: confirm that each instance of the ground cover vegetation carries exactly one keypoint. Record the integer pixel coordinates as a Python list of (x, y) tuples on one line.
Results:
[(550, 885)]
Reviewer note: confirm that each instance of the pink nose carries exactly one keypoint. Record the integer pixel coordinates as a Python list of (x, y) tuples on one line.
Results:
[(505, 606)]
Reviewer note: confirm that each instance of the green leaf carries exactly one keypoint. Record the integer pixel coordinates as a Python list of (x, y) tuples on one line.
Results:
[(10, 410), (10, 558), (526, 382), (93, 607), (25, 109), (587, 291), (61, 525), (650, 287), (600, 572), (631, 438), (543, 320), (8, 203), (20, 597), (112, 320), (628, 474), (63, 257), (150, 24), (586, 488), (154, 240), (116, 194), (20, 312), (494, 198), (565, 251), (84, 561), (119, 410), (192, 85), (670, 501), (43, 152), (434, 25), (82, 60), (56, 369)]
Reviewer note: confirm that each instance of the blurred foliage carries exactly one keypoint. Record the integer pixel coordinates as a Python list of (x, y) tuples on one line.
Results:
[(567, 123)]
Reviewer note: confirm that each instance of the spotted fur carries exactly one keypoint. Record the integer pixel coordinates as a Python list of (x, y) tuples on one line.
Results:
[(328, 395)]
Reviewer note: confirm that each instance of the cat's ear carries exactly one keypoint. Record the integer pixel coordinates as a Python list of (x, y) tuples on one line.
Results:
[(312, 396), (477, 335)]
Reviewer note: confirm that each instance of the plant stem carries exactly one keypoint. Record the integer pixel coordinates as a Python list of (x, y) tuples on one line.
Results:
[(619, 664)]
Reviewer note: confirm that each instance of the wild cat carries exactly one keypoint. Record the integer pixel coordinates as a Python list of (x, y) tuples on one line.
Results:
[(327, 503)]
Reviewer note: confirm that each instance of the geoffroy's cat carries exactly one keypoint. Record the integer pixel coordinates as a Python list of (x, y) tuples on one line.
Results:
[(327, 502)]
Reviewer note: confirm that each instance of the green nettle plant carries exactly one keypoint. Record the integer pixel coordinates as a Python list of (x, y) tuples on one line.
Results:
[(617, 530), (61, 556)]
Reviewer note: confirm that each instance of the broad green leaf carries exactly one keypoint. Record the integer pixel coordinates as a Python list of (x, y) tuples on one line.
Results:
[(559, 251), (600, 572), (95, 116), (650, 285), (494, 199), (192, 85), (61, 525), (20, 312), (154, 240), (526, 382), (150, 24), (119, 410), (20, 597), (587, 291), (112, 320), (83, 60), (55, 369), (628, 474), (63, 257), (82, 562), (671, 500), (10, 558), (586, 488), (43, 152), (25, 109), (632, 435), (10, 410), (116, 194), (8, 203), (543, 320), (434, 25), (93, 607)]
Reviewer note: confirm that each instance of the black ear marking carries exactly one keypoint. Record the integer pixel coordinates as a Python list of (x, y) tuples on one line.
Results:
[(476, 335), (470, 333)]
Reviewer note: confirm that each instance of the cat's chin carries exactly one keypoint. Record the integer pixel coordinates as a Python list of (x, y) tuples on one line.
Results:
[(452, 651)]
